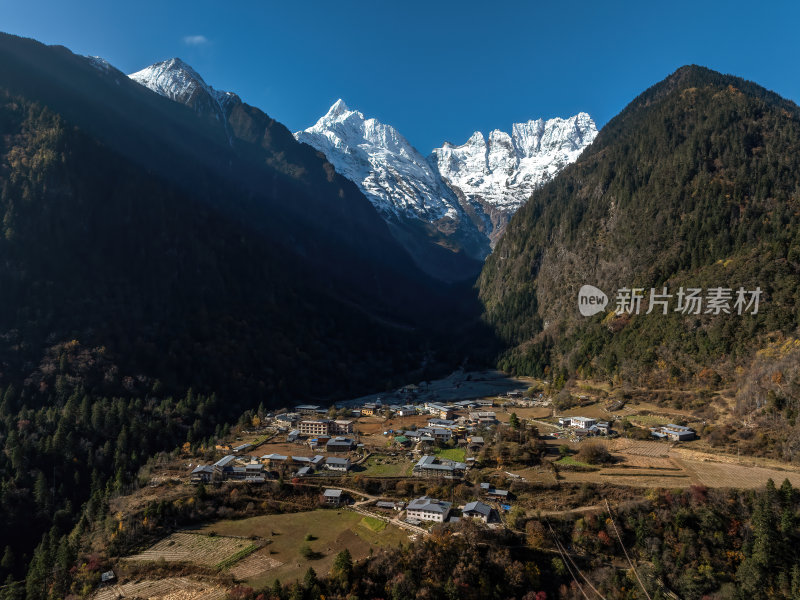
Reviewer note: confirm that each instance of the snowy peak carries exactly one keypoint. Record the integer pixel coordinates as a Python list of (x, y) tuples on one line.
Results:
[(478, 184), (393, 175), (176, 80), (501, 173), (338, 108)]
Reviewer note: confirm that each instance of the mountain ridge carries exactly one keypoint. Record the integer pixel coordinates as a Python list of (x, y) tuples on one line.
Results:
[(691, 185), (277, 198), (476, 185)]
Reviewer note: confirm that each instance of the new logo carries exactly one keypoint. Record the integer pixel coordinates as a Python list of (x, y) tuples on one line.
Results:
[(591, 300)]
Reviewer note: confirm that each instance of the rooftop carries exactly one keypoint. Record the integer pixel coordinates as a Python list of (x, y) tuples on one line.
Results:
[(225, 461), (430, 505), (478, 507)]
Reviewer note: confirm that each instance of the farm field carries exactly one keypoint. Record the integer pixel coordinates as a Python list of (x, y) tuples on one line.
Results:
[(285, 448), (714, 474), (333, 531), (169, 588), (194, 548), (537, 412), (631, 477), (659, 464), (377, 425), (639, 448), (457, 454), (383, 466)]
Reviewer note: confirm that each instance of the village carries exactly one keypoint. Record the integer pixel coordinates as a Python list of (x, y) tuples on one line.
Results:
[(402, 436), (289, 489)]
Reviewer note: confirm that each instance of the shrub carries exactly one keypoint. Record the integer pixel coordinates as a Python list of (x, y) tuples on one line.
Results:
[(594, 453)]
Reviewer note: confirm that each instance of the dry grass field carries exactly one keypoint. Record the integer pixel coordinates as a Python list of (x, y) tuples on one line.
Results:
[(716, 474), (193, 548), (254, 565), (170, 588), (660, 464), (537, 412), (332, 531), (639, 448)]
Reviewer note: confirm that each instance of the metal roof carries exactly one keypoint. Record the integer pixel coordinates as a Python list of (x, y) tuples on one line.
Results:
[(478, 507), (429, 505), (225, 461)]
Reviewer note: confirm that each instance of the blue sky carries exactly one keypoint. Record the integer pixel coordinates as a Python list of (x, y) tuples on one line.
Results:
[(436, 70)]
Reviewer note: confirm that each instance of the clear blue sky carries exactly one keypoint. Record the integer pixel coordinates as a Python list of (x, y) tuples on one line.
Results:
[(436, 70)]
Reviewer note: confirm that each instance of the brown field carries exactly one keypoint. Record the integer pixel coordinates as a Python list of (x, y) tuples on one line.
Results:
[(630, 477), (537, 412), (285, 448), (639, 461), (192, 548), (254, 565), (334, 530), (639, 407), (715, 474), (170, 588), (377, 425), (659, 464), (639, 448)]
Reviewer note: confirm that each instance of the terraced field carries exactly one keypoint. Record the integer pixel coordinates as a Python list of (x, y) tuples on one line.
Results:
[(170, 588), (199, 549), (715, 474)]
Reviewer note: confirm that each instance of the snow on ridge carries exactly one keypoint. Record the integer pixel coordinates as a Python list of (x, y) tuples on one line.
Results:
[(488, 177), (393, 175), (176, 80), (506, 169)]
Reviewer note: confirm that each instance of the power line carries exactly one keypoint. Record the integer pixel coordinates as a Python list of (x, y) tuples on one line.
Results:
[(630, 562), (566, 562), (559, 546)]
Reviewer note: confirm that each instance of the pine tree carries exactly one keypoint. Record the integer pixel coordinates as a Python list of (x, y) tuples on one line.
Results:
[(342, 570), (7, 563), (276, 592), (787, 493)]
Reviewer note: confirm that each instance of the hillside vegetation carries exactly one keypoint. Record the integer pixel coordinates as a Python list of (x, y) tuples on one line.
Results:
[(693, 185)]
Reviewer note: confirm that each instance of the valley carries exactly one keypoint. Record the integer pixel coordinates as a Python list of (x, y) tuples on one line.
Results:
[(278, 530), (243, 361)]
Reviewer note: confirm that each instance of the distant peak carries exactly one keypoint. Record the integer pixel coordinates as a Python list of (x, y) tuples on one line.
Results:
[(338, 108), (175, 63), (171, 67), (476, 138)]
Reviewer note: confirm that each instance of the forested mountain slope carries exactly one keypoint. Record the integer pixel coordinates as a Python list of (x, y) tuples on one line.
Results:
[(695, 184)]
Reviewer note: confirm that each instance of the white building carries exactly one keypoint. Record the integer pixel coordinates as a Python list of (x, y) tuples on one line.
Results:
[(341, 427), (477, 510), (332, 497), (577, 422), (428, 509), (333, 463), (315, 427)]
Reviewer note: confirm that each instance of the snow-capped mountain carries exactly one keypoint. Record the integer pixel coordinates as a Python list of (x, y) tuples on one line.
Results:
[(392, 174), (483, 182), (498, 176), (427, 220), (177, 81), (447, 209)]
